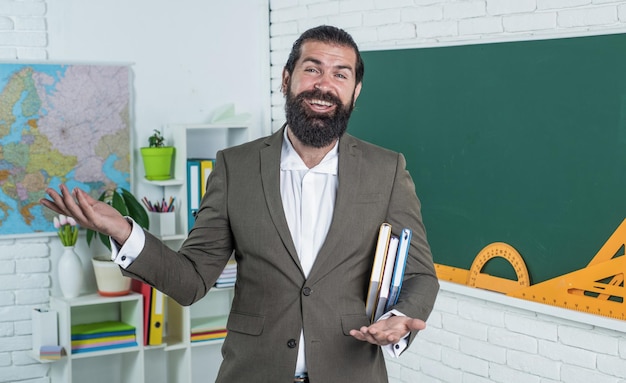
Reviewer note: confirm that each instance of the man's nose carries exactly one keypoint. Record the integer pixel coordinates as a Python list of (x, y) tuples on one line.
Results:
[(323, 82)]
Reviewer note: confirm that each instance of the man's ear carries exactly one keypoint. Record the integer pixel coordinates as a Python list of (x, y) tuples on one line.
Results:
[(284, 86), (357, 91)]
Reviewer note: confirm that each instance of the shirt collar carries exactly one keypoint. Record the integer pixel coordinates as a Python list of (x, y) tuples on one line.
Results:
[(290, 160)]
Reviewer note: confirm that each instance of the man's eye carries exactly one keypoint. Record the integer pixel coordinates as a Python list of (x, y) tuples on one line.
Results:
[(341, 76)]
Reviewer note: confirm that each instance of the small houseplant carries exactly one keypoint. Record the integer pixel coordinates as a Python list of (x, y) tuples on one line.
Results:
[(109, 278), (157, 158)]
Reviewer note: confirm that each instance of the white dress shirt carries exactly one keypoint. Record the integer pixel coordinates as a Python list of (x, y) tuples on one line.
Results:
[(308, 197)]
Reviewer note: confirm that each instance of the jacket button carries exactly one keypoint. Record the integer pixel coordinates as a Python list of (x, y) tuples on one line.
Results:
[(306, 291), (291, 343)]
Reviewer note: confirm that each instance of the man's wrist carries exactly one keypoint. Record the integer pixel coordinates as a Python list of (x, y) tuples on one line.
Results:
[(125, 231), (124, 254)]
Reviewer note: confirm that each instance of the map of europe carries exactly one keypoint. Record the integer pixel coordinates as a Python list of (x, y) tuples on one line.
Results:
[(59, 124)]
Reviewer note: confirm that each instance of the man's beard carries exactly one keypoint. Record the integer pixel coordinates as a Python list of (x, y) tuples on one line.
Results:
[(316, 129)]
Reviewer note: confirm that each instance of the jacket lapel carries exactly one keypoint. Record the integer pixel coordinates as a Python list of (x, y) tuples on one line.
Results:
[(348, 173), (270, 178), (349, 170)]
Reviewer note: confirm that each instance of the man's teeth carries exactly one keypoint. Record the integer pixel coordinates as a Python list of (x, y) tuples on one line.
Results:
[(321, 102)]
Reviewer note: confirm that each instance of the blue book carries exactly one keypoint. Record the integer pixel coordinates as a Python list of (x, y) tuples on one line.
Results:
[(398, 269), (101, 348)]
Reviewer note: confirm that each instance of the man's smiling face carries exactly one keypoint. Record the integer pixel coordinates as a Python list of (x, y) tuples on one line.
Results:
[(320, 93)]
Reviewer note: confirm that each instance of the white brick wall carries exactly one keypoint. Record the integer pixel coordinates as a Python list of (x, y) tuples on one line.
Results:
[(25, 283), (470, 340), (23, 30), (523, 347)]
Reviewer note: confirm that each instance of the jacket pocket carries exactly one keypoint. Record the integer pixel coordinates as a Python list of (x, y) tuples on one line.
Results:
[(245, 323), (353, 322)]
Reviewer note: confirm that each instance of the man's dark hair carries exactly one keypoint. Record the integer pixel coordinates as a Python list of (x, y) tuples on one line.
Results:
[(326, 34)]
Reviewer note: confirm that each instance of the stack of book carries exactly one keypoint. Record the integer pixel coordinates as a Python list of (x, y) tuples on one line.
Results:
[(387, 271), (102, 336), (208, 328), (228, 276)]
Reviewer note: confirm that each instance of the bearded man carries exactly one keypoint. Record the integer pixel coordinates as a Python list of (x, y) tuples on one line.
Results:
[(300, 209)]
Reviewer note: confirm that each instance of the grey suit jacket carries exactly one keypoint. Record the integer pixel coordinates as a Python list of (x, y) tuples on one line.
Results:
[(273, 302)]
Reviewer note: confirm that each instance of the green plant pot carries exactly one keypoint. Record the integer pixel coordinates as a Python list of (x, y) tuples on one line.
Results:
[(158, 162)]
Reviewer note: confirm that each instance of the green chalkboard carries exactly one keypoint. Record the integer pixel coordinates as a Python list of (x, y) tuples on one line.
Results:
[(516, 142)]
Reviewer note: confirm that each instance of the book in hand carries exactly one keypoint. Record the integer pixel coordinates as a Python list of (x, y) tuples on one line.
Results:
[(398, 269), (380, 255), (385, 284), (387, 271)]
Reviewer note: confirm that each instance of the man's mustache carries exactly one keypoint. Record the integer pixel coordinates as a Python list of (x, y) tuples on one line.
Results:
[(319, 95)]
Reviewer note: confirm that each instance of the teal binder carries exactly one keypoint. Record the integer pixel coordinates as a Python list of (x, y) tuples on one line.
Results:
[(193, 191)]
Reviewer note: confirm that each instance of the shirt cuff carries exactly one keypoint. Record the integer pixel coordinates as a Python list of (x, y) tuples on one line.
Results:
[(127, 253), (394, 350)]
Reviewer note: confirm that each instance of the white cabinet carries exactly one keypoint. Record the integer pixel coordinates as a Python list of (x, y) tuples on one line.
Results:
[(121, 365)]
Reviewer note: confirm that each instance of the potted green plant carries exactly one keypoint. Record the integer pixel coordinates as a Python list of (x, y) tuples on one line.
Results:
[(109, 278), (158, 158)]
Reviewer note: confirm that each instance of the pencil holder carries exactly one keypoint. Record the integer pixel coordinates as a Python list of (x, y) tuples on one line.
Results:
[(162, 224)]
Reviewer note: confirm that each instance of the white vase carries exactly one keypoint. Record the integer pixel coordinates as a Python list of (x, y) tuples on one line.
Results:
[(70, 273)]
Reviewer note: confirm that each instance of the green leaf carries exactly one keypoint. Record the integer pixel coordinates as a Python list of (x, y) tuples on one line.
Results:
[(105, 240), (135, 210), (74, 235), (90, 235), (118, 203)]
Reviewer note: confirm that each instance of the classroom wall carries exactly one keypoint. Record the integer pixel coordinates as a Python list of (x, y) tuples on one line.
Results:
[(187, 58), (475, 336)]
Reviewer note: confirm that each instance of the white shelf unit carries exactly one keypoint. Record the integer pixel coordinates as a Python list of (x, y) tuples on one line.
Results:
[(122, 365), (193, 141), (176, 360), (179, 360)]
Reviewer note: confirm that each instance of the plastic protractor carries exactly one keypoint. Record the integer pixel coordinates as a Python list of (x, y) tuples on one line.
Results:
[(489, 282)]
